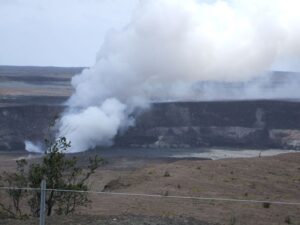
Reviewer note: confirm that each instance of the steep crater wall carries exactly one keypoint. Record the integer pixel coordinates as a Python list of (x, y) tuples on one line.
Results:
[(25, 122), (247, 124), (251, 124)]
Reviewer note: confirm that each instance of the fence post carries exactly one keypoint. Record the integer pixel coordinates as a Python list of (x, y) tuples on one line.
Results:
[(42, 205)]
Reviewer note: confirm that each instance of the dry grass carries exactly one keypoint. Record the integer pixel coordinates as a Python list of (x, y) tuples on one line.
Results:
[(269, 178)]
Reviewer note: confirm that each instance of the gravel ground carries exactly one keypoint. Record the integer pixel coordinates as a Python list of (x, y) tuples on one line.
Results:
[(111, 220)]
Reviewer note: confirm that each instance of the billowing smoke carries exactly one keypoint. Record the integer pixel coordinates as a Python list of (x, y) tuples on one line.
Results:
[(95, 124), (168, 48)]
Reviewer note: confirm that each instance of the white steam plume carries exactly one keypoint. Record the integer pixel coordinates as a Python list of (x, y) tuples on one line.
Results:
[(94, 125), (33, 147), (167, 47)]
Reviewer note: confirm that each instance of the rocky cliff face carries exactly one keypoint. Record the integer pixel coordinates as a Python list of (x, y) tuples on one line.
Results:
[(251, 124), (25, 122), (248, 124)]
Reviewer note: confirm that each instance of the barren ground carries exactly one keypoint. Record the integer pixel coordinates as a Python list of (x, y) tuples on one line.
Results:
[(274, 178)]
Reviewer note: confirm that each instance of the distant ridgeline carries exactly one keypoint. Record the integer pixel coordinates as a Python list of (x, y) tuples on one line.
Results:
[(27, 84), (31, 97)]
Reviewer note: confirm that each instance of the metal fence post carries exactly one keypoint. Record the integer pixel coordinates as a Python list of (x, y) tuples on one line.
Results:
[(42, 205)]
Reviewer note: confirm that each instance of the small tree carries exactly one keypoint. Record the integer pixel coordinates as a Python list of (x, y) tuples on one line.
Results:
[(60, 172)]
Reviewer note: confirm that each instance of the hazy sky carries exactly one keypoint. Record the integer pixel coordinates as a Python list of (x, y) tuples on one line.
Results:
[(57, 32), (65, 32)]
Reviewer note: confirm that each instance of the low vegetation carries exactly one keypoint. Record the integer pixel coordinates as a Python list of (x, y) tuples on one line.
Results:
[(59, 172)]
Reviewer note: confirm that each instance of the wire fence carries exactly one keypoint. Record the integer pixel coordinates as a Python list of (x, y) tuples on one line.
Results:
[(211, 209), (157, 196)]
